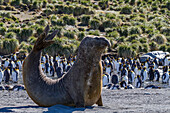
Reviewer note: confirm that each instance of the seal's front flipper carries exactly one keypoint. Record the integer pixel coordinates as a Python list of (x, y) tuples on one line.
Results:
[(99, 102)]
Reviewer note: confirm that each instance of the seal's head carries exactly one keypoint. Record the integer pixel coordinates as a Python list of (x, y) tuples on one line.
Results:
[(93, 45)]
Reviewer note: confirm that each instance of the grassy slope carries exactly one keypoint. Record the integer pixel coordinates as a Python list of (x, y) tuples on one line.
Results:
[(132, 26)]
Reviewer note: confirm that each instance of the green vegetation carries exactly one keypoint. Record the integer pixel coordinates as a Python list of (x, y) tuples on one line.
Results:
[(126, 10), (8, 46), (124, 51), (95, 24), (132, 26), (85, 19)]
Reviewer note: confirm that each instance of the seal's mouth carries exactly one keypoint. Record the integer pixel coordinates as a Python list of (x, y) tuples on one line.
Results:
[(107, 42)]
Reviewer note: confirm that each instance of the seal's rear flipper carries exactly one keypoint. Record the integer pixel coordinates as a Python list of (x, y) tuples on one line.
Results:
[(51, 36), (43, 40)]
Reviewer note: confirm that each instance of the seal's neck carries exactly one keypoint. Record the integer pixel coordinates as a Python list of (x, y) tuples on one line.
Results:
[(34, 59)]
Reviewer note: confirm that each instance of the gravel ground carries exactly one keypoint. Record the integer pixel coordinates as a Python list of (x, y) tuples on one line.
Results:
[(134, 100)]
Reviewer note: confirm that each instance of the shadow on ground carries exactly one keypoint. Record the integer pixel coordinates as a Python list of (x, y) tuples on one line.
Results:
[(68, 109), (53, 109), (64, 109), (12, 109)]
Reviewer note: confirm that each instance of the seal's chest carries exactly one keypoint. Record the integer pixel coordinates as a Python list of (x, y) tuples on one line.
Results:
[(93, 86)]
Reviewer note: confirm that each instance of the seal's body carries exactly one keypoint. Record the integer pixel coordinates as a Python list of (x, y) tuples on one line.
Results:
[(80, 87)]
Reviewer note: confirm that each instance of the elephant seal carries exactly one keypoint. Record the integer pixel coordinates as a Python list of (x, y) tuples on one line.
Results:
[(80, 86)]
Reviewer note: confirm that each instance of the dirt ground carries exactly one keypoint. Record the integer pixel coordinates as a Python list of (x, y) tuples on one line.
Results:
[(131, 100)]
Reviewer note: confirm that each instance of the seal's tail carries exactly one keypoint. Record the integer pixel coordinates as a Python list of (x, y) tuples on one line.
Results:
[(44, 40)]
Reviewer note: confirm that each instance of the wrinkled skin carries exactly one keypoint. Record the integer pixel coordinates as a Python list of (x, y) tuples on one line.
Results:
[(80, 87)]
